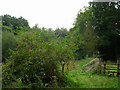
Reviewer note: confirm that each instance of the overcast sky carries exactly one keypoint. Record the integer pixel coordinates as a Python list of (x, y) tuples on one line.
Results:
[(45, 13)]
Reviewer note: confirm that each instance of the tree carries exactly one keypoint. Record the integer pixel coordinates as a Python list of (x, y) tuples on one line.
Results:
[(101, 19), (14, 22), (61, 32), (107, 26), (84, 34), (90, 39)]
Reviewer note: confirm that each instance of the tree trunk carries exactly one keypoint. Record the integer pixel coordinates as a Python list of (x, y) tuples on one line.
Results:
[(100, 64)]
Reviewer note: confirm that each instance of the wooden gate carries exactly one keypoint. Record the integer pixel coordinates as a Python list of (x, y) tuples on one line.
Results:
[(112, 68)]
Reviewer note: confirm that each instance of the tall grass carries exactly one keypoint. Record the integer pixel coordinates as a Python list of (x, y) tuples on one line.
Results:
[(88, 80), (78, 64)]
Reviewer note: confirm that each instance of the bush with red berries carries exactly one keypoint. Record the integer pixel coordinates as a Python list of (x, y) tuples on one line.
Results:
[(37, 61)]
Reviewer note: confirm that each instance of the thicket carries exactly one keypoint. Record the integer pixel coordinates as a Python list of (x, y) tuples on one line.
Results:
[(38, 60)]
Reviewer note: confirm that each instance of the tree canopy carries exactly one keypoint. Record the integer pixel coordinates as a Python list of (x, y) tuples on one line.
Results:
[(13, 22), (107, 25), (99, 22)]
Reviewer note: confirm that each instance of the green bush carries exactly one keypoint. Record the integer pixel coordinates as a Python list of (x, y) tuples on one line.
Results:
[(0, 46), (8, 42), (36, 63), (6, 28)]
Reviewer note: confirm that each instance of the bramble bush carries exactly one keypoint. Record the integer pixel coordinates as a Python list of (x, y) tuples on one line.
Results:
[(37, 61)]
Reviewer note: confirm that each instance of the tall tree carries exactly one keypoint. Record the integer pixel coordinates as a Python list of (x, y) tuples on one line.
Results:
[(84, 34), (107, 25), (104, 22)]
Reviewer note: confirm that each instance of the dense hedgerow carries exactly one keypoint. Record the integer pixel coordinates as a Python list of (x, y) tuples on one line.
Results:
[(8, 42), (37, 61)]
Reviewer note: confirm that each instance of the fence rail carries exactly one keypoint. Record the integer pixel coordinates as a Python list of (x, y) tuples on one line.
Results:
[(112, 69)]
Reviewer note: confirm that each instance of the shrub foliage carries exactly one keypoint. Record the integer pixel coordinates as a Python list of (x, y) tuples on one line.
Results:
[(37, 61)]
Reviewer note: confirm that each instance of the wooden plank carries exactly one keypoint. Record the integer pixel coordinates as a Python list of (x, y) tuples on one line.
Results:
[(112, 64), (111, 69), (112, 72)]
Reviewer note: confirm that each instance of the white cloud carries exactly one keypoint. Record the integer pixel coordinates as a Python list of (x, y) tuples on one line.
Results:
[(45, 13)]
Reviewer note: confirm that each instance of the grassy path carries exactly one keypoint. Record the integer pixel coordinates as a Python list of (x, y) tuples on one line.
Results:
[(88, 79)]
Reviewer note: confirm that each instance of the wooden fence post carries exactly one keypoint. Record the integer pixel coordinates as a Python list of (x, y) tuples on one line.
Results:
[(117, 68), (104, 68), (100, 64), (67, 66)]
